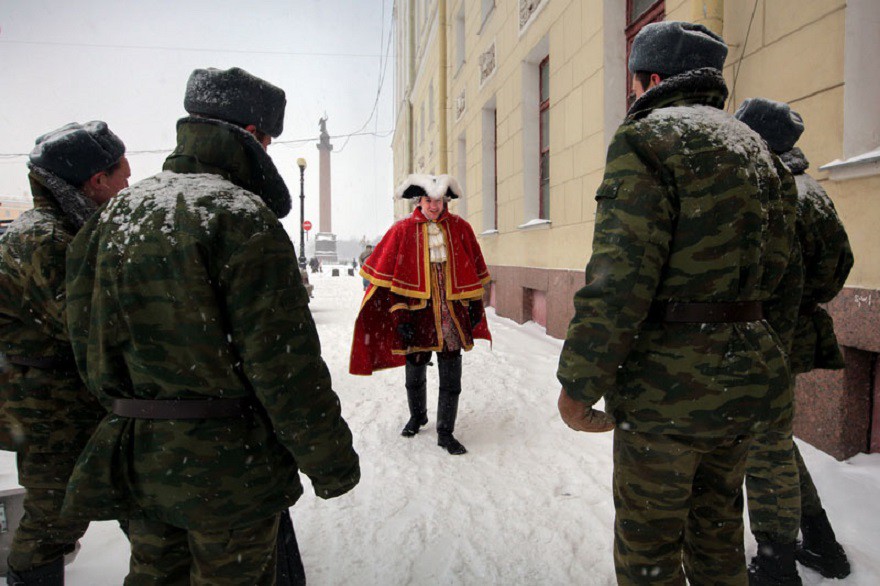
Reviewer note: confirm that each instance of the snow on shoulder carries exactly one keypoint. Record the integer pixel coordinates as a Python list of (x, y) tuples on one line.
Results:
[(715, 123), (201, 193)]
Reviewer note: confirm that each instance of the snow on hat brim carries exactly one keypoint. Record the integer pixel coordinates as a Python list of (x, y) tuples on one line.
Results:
[(776, 122), (75, 151), (673, 47), (234, 95), (433, 186)]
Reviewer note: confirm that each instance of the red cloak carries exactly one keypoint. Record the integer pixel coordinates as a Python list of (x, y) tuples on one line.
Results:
[(399, 272)]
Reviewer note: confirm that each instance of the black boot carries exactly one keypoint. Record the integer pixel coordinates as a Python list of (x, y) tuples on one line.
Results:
[(52, 574), (820, 550), (447, 403), (774, 565), (416, 396)]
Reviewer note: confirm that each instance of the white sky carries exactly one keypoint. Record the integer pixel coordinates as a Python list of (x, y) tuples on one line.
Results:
[(127, 62)]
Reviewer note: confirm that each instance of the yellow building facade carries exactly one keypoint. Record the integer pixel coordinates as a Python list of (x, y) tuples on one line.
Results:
[(519, 99)]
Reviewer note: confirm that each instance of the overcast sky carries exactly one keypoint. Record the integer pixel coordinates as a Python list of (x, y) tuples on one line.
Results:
[(127, 62)]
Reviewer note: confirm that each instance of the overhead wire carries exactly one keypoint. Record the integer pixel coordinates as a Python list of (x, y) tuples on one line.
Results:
[(384, 58)]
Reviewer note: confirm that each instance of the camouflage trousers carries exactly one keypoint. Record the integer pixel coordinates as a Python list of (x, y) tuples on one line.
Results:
[(170, 556), (678, 499), (779, 488), (43, 536)]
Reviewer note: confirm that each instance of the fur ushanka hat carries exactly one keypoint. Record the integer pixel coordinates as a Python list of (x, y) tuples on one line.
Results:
[(776, 122), (75, 151), (433, 186), (236, 96), (673, 47)]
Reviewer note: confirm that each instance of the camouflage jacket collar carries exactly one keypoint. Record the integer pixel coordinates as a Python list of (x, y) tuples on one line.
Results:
[(795, 160), (207, 145), (51, 191), (696, 87)]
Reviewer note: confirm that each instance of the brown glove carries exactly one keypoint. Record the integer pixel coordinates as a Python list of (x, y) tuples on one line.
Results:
[(581, 417)]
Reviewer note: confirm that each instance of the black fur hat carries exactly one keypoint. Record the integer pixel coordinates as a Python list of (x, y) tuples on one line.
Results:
[(236, 96), (776, 122), (75, 151), (673, 47)]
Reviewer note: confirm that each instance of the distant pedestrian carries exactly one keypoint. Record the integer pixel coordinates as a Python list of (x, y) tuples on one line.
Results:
[(46, 413), (368, 250), (781, 495), (189, 318), (427, 277), (693, 234)]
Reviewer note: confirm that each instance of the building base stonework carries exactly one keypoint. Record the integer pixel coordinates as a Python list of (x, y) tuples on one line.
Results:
[(531, 294), (837, 411)]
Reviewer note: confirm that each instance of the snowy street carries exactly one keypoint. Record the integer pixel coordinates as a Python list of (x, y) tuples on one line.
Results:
[(529, 504)]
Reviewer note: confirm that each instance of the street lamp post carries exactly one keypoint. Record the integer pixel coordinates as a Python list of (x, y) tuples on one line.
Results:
[(301, 163)]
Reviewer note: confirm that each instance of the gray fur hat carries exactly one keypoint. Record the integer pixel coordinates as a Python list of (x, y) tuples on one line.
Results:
[(75, 151), (776, 122), (236, 96), (673, 47)]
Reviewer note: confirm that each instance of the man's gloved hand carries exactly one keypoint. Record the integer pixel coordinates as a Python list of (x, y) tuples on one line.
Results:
[(407, 333), (581, 417), (475, 312)]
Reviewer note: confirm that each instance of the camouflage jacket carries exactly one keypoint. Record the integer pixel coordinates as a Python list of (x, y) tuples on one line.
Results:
[(43, 409), (692, 208), (186, 286), (827, 259)]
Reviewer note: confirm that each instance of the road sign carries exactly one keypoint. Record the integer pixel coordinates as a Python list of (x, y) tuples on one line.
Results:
[(307, 225)]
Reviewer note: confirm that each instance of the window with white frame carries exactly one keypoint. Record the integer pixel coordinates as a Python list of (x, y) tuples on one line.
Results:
[(461, 174), (544, 132), (431, 113), (536, 135), (861, 106), (488, 5), (490, 165), (459, 38)]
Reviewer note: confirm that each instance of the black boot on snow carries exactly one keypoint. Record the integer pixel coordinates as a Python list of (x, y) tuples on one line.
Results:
[(51, 574), (820, 550), (416, 397), (774, 565), (447, 403)]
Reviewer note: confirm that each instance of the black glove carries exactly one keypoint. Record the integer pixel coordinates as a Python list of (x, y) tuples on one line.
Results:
[(407, 332), (475, 312)]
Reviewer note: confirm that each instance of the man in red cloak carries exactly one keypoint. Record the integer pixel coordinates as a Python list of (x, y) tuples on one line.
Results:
[(426, 283)]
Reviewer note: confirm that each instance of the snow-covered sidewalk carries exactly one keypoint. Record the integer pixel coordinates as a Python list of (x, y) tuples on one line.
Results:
[(529, 504)]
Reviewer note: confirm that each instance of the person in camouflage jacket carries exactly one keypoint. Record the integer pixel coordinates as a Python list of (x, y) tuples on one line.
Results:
[(190, 322), (782, 497), (46, 413), (679, 325)]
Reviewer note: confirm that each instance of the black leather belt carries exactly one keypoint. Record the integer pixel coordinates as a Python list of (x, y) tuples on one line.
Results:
[(698, 312), (60, 363), (180, 408)]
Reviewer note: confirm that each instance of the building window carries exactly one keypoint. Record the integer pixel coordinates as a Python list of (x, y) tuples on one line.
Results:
[(638, 14), (459, 38), (461, 175), (861, 108), (544, 132), (536, 136), (431, 114), (488, 5), (490, 166)]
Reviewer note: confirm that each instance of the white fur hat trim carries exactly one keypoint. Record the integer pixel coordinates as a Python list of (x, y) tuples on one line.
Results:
[(434, 186)]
